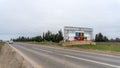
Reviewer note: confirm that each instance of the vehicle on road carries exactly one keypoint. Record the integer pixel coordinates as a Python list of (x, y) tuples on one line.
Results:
[(10, 42)]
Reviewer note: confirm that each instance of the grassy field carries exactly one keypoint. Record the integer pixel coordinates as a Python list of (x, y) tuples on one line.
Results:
[(1, 44), (108, 43), (98, 47)]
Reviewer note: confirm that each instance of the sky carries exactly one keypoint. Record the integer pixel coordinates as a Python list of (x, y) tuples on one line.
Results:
[(33, 17)]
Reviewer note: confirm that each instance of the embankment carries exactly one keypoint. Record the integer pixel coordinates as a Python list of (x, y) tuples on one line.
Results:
[(12, 58)]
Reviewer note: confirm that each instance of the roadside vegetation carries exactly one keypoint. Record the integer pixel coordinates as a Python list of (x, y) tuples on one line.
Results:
[(102, 43), (98, 47), (49, 38), (1, 45), (101, 38)]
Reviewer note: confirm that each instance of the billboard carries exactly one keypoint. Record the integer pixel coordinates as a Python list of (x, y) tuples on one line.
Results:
[(77, 33)]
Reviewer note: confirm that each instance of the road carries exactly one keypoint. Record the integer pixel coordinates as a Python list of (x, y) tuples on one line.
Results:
[(52, 57)]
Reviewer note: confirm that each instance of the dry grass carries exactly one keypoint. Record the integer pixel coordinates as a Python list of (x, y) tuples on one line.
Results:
[(1, 44)]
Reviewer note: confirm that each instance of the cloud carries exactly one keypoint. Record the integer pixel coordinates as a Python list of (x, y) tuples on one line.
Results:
[(24, 17)]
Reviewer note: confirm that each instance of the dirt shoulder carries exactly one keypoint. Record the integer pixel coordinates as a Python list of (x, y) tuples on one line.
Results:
[(11, 58)]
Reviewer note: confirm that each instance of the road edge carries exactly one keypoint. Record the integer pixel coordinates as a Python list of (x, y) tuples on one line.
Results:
[(34, 64)]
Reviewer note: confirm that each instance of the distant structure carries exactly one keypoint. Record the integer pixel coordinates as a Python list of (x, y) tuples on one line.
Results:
[(77, 33)]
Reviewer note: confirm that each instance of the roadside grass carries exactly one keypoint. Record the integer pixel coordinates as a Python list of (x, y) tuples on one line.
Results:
[(103, 47), (1, 45), (98, 47), (108, 43)]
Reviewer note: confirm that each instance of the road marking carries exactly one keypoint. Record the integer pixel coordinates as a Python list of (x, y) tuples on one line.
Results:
[(76, 51), (84, 52), (53, 58), (42, 50), (102, 63), (82, 59), (92, 61)]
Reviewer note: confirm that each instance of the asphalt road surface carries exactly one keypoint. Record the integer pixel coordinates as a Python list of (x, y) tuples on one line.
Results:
[(52, 57)]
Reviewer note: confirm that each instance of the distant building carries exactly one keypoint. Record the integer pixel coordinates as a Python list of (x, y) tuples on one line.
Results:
[(77, 33)]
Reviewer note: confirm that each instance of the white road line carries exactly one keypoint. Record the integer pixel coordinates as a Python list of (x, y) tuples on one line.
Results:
[(83, 59), (42, 50), (77, 51), (102, 63), (85, 52), (53, 58), (92, 61)]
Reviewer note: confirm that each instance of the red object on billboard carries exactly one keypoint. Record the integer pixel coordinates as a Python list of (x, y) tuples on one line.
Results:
[(80, 34), (85, 38), (75, 38), (80, 38)]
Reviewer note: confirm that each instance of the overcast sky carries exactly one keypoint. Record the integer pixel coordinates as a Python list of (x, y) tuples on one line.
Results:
[(33, 17)]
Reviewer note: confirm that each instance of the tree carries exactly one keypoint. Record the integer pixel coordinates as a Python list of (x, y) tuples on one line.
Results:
[(96, 37), (117, 39), (60, 36), (48, 36), (100, 38), (43, 36), (105, 39), (38, 39)]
